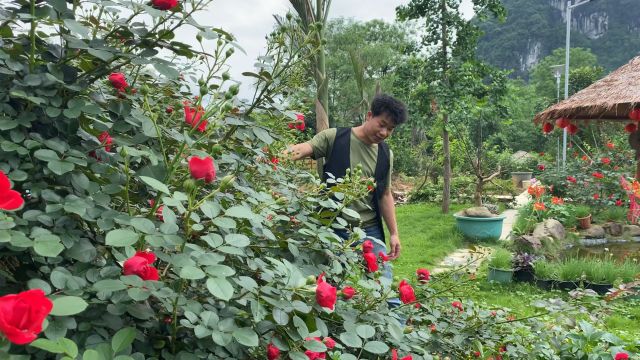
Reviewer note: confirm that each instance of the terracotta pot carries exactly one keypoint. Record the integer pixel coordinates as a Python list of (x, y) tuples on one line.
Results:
[(585, 222)]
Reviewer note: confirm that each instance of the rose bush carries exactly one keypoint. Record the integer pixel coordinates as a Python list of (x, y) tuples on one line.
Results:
[(154, 236)]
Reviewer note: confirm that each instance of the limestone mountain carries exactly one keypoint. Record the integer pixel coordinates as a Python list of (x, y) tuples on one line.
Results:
[(534, 28)]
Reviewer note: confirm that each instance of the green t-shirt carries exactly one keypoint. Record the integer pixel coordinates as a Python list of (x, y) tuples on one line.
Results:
[(361, 153)]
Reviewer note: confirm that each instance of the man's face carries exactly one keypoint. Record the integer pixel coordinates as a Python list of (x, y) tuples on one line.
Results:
[(378, 128)]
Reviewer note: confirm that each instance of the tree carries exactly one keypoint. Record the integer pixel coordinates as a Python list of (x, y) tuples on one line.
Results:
[(455, 39), (542, 77)]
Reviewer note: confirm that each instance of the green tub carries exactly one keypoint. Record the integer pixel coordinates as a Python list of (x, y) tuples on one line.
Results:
[(476, 228)]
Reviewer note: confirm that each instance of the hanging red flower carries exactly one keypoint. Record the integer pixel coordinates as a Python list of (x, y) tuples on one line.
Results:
[(634, 114), (572, 129), (547, 127), (630, 127), (621, 356), (394, 355), (562, 122)]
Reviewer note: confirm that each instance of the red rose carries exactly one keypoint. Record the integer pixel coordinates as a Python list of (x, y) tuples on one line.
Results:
[(202, 168), (610, 145), (326, 295), (370, 188), (291, 125), (272, 352), (433, 328), (476, 354), (165, 4), (140, 264), (300, 126), (423, 275), (562, 123), (407, 295), (457, 305), (541, 167), (597, 175), (312, 355), (547, 127), (634, 114), (9, 199), (394, 355), (596, 196), (572, 129), (106, 140), (621, 356), (169, 109), (605, 160), (367, 246), (571, 179), (193, 117), (22, 314), (618, 202), (118, 81), (329, 343), (371, 260), (630, 127), (299, 117), (383, 256), (348, 292)]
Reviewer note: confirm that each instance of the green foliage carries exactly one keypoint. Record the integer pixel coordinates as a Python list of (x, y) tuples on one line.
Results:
[(545, 270), (582, 62), (501, 259), (582, 211)]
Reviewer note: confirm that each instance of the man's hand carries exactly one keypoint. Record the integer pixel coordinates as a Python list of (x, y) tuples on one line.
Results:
[(394, 243)]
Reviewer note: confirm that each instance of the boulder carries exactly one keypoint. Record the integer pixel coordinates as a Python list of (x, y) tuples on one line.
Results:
[(594, 232), (632, 230), (613, 229), (479, 211), (551, 228), (528, 242)]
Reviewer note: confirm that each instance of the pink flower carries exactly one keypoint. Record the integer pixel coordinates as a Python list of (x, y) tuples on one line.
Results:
[(457, 305), (326, 295), (423, 275), (140, 264), (348, 292)]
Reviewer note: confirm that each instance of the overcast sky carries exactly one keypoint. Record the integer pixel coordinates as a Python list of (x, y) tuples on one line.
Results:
[(251, 20)]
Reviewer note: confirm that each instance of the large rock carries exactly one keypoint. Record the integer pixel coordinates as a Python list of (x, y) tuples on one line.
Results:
[(529, 242), (613, 229), (631, 230), (550, 228), (594, 232), (479, 211)]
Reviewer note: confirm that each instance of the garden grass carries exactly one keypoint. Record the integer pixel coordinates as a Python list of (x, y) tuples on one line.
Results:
[(428, 236)]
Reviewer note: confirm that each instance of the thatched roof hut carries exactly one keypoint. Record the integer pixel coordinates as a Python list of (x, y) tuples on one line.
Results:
[(610, 98)]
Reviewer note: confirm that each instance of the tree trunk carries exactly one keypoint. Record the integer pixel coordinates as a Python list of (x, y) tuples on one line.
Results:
[(322, 81), (477, 197), (446, 187)]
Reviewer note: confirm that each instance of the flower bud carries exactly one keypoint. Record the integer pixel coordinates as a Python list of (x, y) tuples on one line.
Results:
[(228, 96), (226, 182), (229, 52), (199, 37), (203, 90), (408, 329), (201, 82), (227, 107), (311, 280), (189, 185), (234, 89), (226, 76), (144, 90)]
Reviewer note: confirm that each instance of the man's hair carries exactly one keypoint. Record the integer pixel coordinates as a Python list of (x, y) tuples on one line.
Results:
[(386, 104)]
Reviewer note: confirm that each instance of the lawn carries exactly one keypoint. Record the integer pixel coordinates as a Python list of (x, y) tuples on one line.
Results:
[(427, 236)]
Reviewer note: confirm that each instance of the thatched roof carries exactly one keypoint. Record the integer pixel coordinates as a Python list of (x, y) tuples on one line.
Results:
[(610, 98)]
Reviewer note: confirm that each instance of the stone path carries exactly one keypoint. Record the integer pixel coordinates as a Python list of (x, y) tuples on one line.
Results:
[(473, 257)]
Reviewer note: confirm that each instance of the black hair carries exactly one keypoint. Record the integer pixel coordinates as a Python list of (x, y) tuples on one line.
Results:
[(387, 104)]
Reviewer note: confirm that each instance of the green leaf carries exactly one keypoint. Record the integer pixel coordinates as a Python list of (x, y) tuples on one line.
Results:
[(376, 347), (351, 339), (239, 211), (47, 247), (166, 70), (60, 167), (122, 339), (68, 305), (263, 135), (157, 185), (70, 348), (191, 273), (224, 222), (301, 326), (365, 331), (77, 28), (121, 237), (143, 224), (246, 336), (46, 155), (220, 288), (109, 285), (92, 355), (237, 240), (47, 345), (100, 54)]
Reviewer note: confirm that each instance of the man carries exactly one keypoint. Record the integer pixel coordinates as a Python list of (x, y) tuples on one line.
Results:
[(364, 145)]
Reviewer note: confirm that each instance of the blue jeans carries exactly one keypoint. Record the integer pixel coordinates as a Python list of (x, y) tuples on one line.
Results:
[(375, 233)]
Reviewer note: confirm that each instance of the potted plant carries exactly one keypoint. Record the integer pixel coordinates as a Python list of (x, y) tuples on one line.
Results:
[(500, 266), (570, 273), (583, 215), (600, 275), (523, 267), (545, 273), (478, 223), (521, 166)]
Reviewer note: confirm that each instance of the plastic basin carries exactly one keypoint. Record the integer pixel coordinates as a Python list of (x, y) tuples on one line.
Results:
[(477, 228)]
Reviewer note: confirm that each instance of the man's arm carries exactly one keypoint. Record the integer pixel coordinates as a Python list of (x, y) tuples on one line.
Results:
[(299, 151), (388, 211)]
